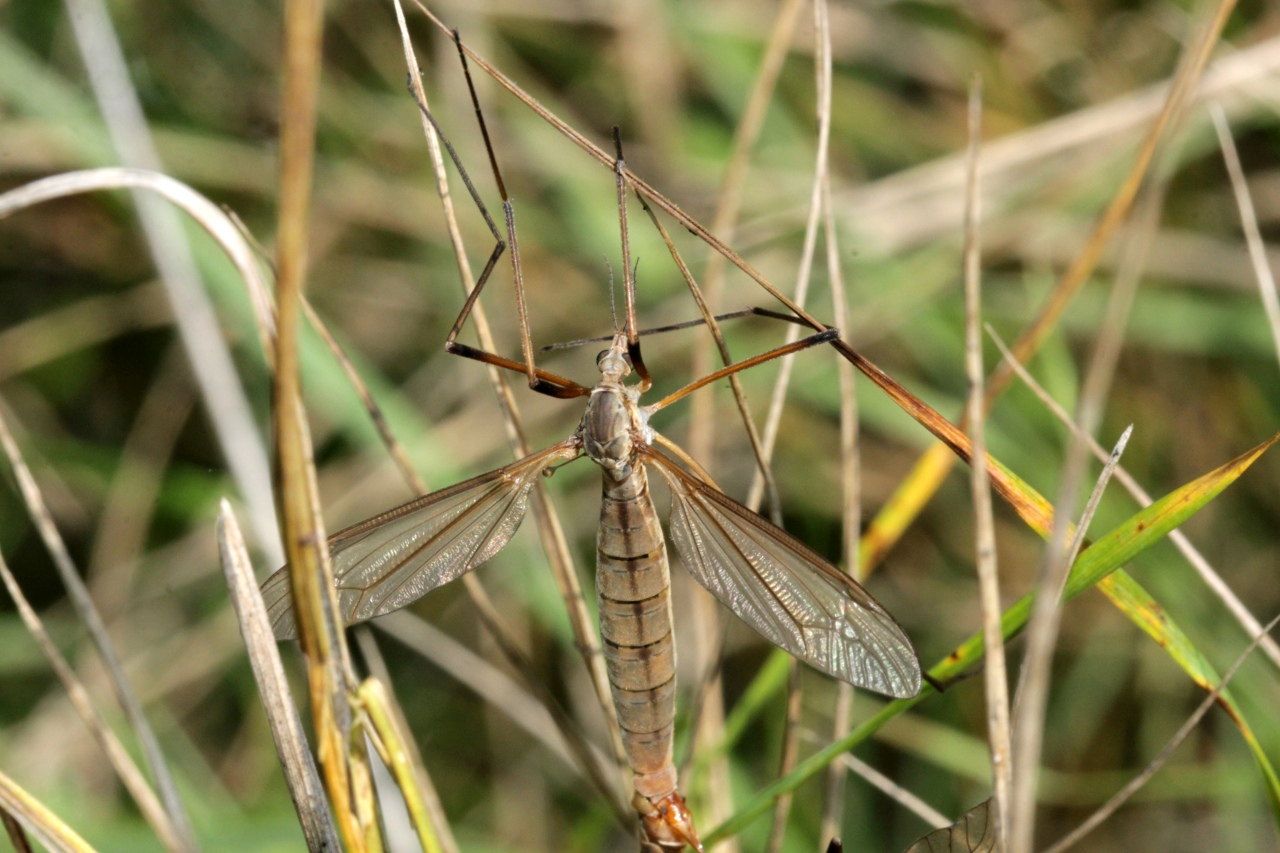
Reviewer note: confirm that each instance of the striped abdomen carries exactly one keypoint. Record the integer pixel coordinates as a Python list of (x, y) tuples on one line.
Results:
[(633, 586)]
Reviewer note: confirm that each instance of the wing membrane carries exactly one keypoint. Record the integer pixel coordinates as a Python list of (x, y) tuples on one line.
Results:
[(387, 561), (784, 590)]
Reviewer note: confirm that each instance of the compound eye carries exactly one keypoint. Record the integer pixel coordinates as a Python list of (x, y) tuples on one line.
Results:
[(626, 357), (600, 357)]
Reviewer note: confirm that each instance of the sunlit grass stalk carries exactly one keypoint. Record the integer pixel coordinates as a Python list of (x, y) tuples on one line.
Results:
[(995, 677), (329, 674)]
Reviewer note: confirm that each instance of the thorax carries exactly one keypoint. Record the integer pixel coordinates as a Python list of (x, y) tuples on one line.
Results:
[(610, 428)]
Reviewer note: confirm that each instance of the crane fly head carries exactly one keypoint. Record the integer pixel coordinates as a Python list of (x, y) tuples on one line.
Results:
[(614, 363)]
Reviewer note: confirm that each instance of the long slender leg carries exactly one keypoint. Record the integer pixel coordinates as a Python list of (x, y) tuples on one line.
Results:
[(822, 337), (542, 381), (687, 324), (628, 279)]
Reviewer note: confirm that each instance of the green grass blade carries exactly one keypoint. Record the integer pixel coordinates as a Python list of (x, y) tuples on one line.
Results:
[(1102, 559)]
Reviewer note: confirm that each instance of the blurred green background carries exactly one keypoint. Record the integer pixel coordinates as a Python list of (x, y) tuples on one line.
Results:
[(87, 339)]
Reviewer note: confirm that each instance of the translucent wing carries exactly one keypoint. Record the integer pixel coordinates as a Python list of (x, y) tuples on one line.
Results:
[(387, 561), (784, 590)]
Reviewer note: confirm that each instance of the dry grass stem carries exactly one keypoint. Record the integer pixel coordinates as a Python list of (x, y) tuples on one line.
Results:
[(790, 755), (995, 673), (528, 707), (299, 767), (207, 350), (1249, 223), (329, 675), (850, 459), (893, 790), (172, 827), (389, 440), (16, 804), (1042, 634), (17, 835), (724, 222), (820, 189), (1134, 785), (821, 178), (127, 771), (713, 326)]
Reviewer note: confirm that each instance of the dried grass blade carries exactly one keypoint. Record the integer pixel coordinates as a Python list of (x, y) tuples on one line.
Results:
[(932, 468), (132, 778), (299, 767), (892, 790), (46, 826)]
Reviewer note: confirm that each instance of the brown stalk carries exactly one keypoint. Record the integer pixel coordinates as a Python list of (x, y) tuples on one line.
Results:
[(724, 221), (850, 464), (311, 577), (997, 687), (817, 205), (713, 326), (790, 755), (894, 791), (17, 837)]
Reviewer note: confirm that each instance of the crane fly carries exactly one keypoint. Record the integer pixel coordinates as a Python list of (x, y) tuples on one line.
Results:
[(774, 582)]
